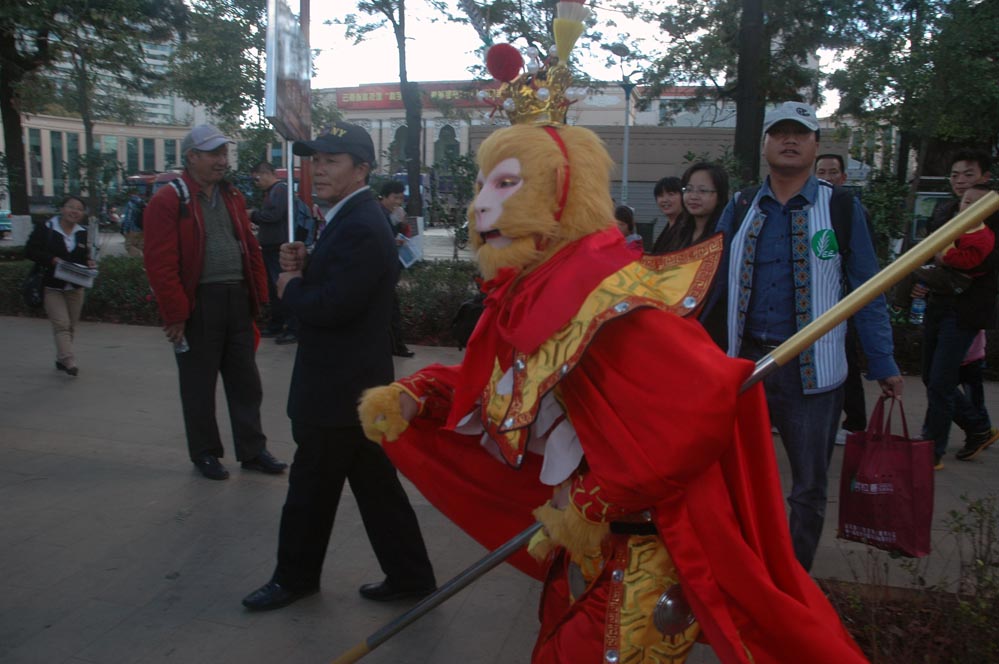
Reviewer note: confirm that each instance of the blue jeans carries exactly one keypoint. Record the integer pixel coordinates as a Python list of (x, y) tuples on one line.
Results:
[(944, 347), (807, 424)]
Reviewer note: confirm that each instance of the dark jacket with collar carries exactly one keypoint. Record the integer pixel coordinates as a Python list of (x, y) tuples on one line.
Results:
[(174, 250), (343, 303), (976, 305), (44, 244), (272, 217)]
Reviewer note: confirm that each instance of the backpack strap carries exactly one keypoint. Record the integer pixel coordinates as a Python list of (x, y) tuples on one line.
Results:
[(183, 193)]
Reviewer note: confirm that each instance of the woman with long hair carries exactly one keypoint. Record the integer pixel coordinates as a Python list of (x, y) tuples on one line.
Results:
[(705, 193), (62, 238)]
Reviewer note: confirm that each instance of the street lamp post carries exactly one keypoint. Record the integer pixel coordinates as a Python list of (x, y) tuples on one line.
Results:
[(622, 51)]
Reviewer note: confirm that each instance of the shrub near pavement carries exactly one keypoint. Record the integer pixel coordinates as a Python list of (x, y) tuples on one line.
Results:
[(120, 294), (430, 293)]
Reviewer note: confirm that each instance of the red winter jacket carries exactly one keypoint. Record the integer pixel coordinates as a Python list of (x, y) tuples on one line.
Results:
[(175, 249)]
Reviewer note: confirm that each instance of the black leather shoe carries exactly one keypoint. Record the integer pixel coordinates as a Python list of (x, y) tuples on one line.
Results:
[(273, 595), (265, 463), (211, 468), (402, 351), (286, 338), (386, 591)]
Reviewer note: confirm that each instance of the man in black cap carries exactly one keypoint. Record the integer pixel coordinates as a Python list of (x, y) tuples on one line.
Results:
[(342, 296)]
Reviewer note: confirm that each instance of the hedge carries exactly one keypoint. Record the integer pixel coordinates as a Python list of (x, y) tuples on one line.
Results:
[(429, 295)]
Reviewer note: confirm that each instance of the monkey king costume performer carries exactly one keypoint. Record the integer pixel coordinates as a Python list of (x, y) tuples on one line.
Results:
[(586, 400)]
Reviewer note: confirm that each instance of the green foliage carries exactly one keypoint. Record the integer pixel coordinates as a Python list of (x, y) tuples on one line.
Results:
[(928, 68), (221, 65), (884, 198), (430, 293), (120, 294)]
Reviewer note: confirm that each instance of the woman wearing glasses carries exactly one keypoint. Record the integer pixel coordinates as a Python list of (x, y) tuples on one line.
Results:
[(62, 238), (705, 193)]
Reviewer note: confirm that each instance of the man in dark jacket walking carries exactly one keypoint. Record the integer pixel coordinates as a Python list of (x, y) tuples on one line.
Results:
[(205, 267), (272, 231), (342, 297)]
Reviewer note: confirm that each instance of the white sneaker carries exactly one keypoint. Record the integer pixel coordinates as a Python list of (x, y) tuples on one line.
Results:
[(841, 436)]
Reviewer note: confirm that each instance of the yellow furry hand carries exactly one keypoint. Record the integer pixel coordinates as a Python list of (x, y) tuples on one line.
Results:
[(567, 528), (381, 413)]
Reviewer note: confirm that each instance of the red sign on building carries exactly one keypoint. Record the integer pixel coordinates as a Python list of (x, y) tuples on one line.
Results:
[(388, 96)]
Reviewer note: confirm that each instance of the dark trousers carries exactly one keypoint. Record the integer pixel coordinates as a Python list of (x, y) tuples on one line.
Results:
[(398, 343), (280, 316), (944, 346), (854, 408), (220, 333), (324, 459)]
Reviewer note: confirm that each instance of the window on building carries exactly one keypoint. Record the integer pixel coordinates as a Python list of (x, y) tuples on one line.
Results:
[(35, 181), (58, 163), (397, 151), (73, 161), (277, 155), (170, 159), (446, 145), (149, 154), (110, 146), (131, 155)]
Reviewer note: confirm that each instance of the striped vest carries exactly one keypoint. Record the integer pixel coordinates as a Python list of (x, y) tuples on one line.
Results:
[(818, 285)]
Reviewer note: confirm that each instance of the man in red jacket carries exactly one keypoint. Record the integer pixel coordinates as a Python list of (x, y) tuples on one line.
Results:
[(208, 274)]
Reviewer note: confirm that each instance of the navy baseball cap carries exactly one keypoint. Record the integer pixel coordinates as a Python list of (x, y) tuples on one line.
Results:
[(341, 137)]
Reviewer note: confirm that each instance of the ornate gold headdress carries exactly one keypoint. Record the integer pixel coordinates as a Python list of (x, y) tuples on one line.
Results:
[(543, 93)]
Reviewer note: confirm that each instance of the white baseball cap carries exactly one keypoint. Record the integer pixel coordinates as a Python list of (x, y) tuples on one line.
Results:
[(204, 137), (794, 111)]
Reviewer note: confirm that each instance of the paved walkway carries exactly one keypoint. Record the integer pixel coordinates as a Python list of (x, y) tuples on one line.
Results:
[(116, 551)]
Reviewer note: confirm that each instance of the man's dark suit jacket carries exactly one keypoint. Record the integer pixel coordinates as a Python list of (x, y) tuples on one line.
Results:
[(344, 305)]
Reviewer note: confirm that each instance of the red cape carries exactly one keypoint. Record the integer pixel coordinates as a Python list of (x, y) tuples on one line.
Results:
[(658, 412)]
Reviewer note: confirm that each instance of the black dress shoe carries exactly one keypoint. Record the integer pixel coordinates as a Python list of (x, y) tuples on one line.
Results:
[(286, 338), (72, 371), (265, 463), (211, 467), (273, 595), (403, 352), (386, 591)]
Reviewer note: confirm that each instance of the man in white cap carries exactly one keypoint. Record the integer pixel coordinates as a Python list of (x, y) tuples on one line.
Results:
[(207, 272), (790, 244)]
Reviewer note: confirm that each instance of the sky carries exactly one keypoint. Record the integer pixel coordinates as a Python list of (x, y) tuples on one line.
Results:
[(437, 51)]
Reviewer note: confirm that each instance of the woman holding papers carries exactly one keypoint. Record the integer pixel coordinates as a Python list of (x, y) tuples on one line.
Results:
[(62, 238)]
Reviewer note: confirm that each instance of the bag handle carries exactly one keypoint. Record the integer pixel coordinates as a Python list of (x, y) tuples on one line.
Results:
[(880, 423)]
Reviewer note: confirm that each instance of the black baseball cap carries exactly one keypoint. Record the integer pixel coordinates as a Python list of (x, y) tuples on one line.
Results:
[(341, 137)]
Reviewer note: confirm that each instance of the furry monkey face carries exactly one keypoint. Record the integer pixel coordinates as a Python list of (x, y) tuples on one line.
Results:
[(521, 181)]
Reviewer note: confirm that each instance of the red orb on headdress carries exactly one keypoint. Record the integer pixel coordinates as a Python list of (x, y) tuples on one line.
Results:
[(504, 62)]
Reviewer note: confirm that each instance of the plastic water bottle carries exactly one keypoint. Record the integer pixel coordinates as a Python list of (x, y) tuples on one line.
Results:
[(181, 346), (917, 310)]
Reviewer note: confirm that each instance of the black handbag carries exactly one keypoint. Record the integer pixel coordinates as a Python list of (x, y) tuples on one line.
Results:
[(31, 288)]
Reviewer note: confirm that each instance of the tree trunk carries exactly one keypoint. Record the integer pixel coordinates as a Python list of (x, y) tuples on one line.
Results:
[(750, 105), (13, 130), (93, 153), (414, 126), (414, 118)]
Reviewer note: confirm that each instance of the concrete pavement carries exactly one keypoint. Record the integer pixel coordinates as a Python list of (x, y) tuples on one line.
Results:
[(117, 552)]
